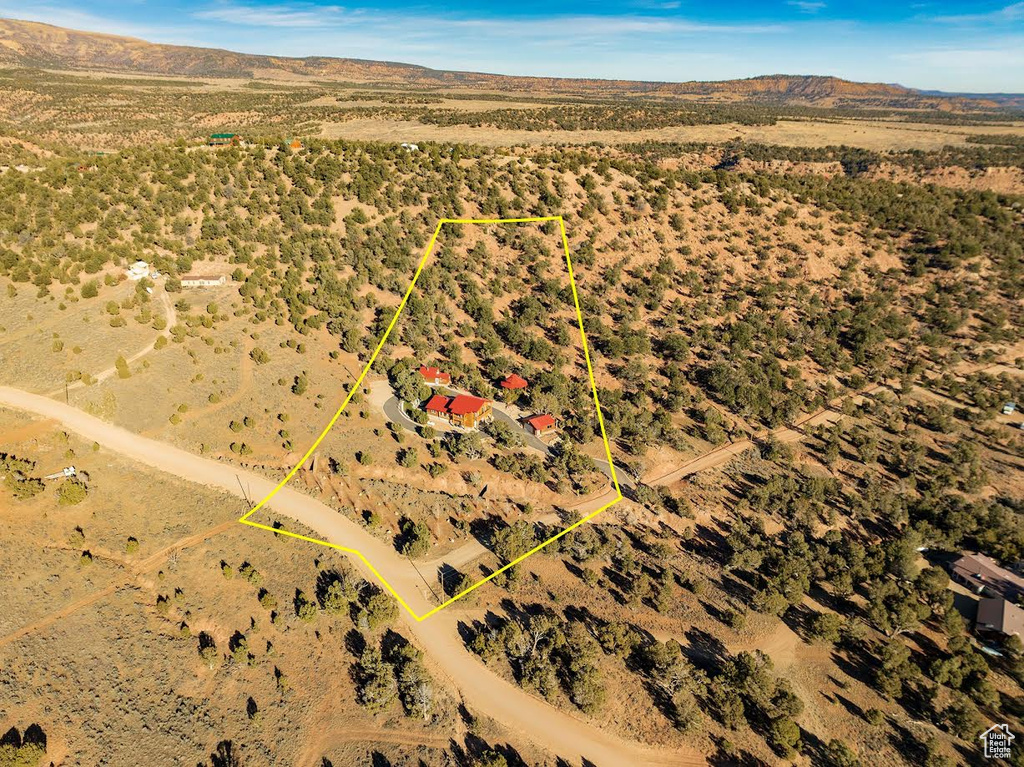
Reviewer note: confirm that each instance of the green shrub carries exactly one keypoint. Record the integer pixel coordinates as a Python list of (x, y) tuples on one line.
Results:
[(71, 492)]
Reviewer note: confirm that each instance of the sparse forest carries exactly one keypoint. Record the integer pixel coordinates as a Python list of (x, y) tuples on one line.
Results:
[(844, 342)]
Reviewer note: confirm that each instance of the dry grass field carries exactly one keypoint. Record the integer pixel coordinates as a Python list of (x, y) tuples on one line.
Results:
[(879, 136), (42, 341), (101, 650)]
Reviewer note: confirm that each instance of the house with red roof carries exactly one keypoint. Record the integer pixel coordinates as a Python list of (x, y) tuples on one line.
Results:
[(462, 410), (513, 382), (542, 424), (433, 376), (437, 406)]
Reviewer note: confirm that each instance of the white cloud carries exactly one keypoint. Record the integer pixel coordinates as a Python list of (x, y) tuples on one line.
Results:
[(272, 16), (1014, 12), (807, 6), (73, 18), (966, 58), (563, 27), (569, 27)]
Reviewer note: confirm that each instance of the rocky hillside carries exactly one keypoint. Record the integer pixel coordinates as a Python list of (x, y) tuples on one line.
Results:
[(30, 44)]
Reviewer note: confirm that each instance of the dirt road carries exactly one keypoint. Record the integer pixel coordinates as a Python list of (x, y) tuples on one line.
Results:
[(483, 692), (725, 453)]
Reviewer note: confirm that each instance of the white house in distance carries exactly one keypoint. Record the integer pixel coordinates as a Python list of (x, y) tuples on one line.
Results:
[(202, 280), (67, 471), (137, 271)]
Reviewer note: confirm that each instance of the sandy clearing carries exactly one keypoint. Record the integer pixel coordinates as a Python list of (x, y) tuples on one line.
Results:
[(557, 731)]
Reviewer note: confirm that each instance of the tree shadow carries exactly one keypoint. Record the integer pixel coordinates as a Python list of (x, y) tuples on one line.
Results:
[(474, 749), (799, 618), (826, 598), (851, 707), (573, 569), (733, 584), (355, 642), (392, 645), (907, 743), (814, 748), (450, 578), (467, 631), (225, 755), (729, 756), (582, 614), (620, 584), (205, 640), (324, 579), (236, 640), (483, 528), (855, 660), (714, 611), (705, 650), (708, 543)]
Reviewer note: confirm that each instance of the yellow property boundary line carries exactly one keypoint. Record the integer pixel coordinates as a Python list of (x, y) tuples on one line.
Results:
[(244, 519)]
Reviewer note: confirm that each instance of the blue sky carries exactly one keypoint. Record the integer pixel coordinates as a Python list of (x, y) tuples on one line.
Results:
[(955, 46)]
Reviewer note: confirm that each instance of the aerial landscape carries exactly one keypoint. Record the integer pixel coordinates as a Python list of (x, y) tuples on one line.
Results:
[(573, 397)]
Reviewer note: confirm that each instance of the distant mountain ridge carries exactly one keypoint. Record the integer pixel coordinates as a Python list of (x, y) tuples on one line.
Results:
[(32, 44)]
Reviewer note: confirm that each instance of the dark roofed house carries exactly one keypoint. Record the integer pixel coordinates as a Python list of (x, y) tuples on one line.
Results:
[(434, 376), (983, 574), (224, 139), (999, 616), (514, 381)]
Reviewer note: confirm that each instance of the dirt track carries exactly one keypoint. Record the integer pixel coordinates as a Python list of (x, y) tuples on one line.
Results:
[(559, 732), (171, 317)]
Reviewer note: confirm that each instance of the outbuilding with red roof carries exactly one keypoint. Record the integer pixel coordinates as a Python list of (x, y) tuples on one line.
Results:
[(433, 376), (541, 424), (514, 381)]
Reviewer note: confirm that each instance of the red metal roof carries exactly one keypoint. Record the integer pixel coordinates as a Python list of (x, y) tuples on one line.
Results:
[(464, 403), (514, 381), (433, 373), (539, 422), (438, 403)]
